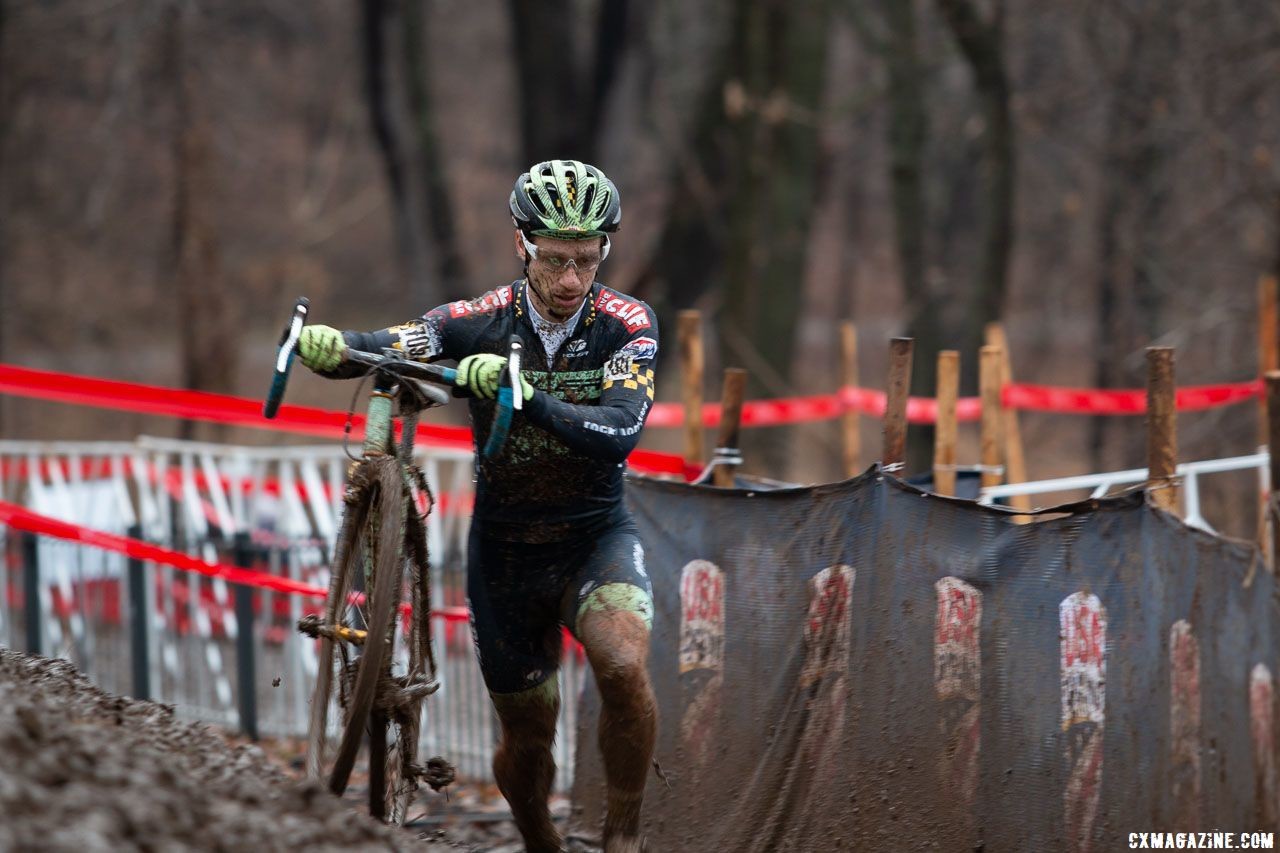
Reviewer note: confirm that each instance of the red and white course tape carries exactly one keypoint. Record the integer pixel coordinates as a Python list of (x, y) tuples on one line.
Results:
[(20, 518), (242, 411)]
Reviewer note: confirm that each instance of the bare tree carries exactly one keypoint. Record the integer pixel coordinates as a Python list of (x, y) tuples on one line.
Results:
[(207, 323), (435, 197), (1134, 196), (4, 195), (553, 77), (889, 31), (373, 33), (981, 43)]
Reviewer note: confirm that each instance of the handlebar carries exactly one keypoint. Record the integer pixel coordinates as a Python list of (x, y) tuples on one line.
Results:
[(393, 363)]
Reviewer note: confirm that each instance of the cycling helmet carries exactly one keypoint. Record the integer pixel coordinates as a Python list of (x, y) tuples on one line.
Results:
[(565, 199)]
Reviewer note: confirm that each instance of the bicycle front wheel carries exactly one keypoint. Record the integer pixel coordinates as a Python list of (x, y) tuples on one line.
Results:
[(372, 534)]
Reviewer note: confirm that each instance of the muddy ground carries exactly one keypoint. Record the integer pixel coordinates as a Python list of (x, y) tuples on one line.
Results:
[(81, 769)]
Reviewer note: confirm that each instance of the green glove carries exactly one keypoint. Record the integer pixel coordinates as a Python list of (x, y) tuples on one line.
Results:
[(480, 374), (321, 348)]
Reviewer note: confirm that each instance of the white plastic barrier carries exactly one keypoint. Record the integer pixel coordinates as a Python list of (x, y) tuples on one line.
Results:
[(1188, 473), (195, 497)]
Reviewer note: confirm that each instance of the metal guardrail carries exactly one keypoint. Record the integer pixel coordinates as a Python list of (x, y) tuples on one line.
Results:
[(220, 653), (1188, 473)]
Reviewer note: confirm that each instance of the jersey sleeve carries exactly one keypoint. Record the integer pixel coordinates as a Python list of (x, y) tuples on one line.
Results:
[(610, 430), (445, 332)]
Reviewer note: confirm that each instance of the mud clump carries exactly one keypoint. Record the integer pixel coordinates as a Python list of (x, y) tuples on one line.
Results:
[(84, 770)]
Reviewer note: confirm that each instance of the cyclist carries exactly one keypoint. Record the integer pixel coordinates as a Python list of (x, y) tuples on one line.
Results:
[(551, 541)]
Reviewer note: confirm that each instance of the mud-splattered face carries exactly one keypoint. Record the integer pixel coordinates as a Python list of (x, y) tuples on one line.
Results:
[(561, 274)]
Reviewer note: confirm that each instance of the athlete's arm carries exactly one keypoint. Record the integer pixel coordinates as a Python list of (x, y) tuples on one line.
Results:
[(610, 430), (448, 331)]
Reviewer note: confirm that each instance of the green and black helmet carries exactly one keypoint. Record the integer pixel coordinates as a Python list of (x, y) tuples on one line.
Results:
[(565, 199)]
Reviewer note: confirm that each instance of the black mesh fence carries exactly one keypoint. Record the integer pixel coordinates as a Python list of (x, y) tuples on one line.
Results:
[(861, 665)]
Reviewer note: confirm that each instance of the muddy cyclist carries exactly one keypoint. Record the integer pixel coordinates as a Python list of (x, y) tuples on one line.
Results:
[(551, 541)]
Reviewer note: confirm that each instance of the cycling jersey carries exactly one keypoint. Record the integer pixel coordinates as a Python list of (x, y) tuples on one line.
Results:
[(549, 526), (560, 472)]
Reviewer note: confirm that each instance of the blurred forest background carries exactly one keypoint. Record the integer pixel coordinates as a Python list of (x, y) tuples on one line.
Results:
[(1101, 176)]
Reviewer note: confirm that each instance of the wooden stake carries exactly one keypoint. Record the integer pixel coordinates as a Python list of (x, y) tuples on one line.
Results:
[(850, 421), (989, 371), (1273, 446), (1015, 462), (894, 451), (1268, 360), (1162, 428), (944, 437), (689, 327), (735, 386), (1268, 343)]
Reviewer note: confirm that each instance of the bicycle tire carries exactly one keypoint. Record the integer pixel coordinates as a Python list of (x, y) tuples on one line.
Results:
[(382, 603), (344, 566), (399, 781)]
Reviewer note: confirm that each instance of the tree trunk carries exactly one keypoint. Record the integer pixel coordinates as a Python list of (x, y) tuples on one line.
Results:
[(780, 60), (548, 80), (373, 32), (783, 55), (4, 195), (613, 33), (552, 82), (688, 261), (207, 323), (908, 132), (982, 45), (738, 219), (436, 199), (1130, 223)]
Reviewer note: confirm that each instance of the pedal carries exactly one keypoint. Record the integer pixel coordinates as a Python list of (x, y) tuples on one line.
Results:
[(315, 628), (437, 772)]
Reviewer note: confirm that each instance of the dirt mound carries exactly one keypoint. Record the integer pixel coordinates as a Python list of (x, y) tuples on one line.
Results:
[(83, 770)]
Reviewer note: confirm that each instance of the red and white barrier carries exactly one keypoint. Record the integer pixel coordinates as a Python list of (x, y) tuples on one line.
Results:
[(20, 518)]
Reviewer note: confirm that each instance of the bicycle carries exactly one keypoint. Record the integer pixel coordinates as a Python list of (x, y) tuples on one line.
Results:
[(382, 533)]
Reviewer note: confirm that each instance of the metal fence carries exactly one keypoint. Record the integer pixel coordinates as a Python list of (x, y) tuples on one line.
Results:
[(1188, 474), (217, 651)]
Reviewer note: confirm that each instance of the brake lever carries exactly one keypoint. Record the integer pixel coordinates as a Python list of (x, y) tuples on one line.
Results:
[(513, 373), (509, 399), (284, 356)]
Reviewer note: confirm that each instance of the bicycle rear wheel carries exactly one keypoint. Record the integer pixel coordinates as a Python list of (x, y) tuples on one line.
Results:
[(400, 775), (346, 563)]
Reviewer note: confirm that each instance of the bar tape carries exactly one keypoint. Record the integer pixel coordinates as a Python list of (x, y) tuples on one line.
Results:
[(21, 518)]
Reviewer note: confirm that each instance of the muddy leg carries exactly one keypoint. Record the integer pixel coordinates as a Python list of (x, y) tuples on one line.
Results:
[(523, 766), (617, 644)]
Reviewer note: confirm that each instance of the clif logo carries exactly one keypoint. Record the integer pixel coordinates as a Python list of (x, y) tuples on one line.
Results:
[(632, 314)]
